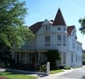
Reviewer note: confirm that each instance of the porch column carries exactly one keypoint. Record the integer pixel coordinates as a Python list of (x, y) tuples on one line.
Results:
[(25, 57), (38, 57), (15, 57), (19, 56)]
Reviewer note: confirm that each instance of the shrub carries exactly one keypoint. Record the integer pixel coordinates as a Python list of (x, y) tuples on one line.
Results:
[(61, 67), (43, 68), (67, 67), (76, 67)]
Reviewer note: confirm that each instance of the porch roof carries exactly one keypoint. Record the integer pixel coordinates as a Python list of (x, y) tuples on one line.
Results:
[(26, 50)]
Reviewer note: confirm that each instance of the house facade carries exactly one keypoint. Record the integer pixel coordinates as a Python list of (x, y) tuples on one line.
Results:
[(51, 35)]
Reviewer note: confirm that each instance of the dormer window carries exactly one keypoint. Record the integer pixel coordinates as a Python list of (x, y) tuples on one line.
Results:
[(47, 27)]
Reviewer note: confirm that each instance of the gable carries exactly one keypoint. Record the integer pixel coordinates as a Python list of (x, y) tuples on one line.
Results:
[(70, 29)]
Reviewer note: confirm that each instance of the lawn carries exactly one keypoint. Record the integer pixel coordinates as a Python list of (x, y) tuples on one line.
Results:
[(56, 71), (10, 75)]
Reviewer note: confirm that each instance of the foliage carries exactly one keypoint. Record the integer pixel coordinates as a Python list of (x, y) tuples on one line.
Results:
[(76, 66), (82, 28), (67, 67), (1, 63), (52, 57), (12, 29), (10, 75), (43, 68), (13, 32)]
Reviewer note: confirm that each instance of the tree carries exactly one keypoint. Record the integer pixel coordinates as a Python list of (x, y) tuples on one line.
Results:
[(52, 57), (13, 31), (82, 28)]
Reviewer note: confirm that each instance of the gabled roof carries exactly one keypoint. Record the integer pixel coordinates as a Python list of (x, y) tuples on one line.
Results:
[(69, 29), (59, 20), (35, 27)]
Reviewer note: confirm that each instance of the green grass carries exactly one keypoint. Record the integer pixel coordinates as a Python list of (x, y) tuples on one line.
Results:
[(55, 71), (10, 75)]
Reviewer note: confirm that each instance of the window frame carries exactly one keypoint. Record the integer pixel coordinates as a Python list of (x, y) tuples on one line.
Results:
[(47, 40)]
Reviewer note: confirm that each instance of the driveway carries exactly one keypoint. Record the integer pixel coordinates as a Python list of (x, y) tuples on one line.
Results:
[(78, 73)]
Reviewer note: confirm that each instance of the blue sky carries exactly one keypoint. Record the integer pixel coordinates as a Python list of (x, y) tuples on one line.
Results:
[(72, 10)]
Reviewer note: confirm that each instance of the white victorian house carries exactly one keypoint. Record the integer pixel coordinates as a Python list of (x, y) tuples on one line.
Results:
[(53, 34)]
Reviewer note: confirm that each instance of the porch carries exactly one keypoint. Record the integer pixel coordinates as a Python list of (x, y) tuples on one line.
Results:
[(29, 57)]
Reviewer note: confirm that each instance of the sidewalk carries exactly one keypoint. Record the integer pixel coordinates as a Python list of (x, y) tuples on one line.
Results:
[(53, 76), (40, 75)]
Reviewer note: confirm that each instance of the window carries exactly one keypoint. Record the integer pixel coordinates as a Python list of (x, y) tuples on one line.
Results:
[(59, 39), (64, 58), (64, 40), (47, 27), (59, 29), (47, 41)]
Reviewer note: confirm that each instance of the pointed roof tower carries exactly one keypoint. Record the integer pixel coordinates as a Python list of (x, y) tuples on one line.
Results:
[(59, 20)]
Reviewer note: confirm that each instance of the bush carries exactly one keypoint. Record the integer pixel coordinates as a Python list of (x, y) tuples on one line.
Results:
[(61, 67), (67, 67), (76, 67), (2, 63), (43, 68)]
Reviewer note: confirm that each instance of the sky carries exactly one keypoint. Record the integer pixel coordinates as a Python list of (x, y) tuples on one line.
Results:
[(72, 10)]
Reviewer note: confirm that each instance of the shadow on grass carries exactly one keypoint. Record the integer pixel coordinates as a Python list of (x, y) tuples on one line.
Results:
[(22, 72)]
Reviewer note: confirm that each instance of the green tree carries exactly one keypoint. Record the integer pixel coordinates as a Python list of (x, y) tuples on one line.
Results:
[(52, 57), (13, 31), (82, 28)]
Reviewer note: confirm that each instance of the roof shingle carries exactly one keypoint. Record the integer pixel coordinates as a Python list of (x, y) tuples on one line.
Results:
[(35, 27), (69, 29), (59, 20)]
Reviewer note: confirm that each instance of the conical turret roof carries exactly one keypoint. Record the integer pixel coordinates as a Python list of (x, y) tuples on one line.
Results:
[(59, 20)]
